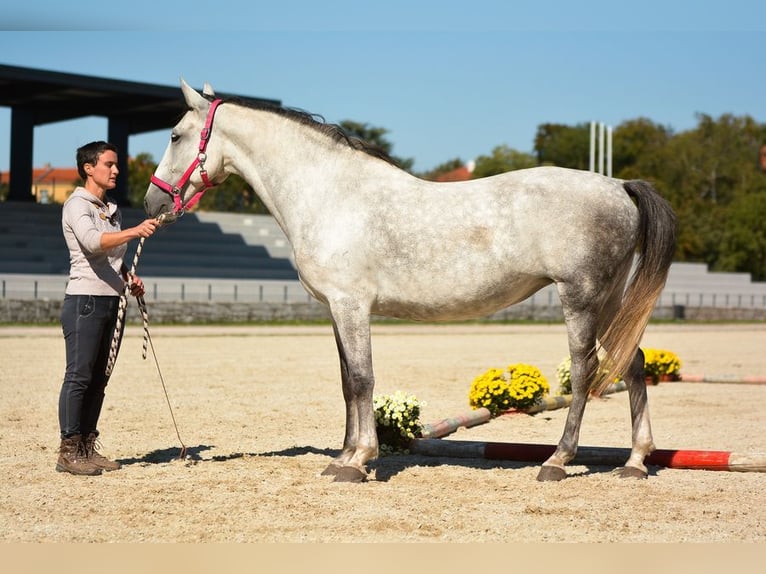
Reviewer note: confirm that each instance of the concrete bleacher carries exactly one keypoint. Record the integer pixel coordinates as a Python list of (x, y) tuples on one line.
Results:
[(31, 241), (261, 230), (246, 257)]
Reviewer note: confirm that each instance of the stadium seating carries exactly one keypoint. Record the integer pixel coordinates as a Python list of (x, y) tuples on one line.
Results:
[(31, 241), (209, 255)]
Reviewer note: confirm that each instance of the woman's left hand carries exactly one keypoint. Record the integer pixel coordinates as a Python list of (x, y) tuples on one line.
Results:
[(136, 286)]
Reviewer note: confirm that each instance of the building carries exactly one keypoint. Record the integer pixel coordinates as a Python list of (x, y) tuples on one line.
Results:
[(49, 184), (462, 173)]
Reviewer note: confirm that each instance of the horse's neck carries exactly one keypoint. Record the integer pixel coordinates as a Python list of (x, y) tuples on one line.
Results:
[(295, 169)]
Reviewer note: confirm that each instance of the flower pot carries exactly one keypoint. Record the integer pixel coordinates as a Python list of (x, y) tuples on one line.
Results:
[(652, 379)]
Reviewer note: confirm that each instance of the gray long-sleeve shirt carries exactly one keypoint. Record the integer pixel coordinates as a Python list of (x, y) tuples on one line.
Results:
[(93, 271)]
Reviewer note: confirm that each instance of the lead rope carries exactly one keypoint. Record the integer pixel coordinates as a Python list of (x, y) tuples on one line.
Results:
[(115, 346)]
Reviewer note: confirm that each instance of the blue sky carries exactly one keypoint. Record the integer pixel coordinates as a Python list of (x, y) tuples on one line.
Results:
[(447, 79)]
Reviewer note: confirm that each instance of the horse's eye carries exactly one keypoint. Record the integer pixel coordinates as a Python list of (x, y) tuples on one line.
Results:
[(174, 137)]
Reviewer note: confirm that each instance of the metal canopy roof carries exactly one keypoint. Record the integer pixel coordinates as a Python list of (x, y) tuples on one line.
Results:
[(38, 97), (56, 96)]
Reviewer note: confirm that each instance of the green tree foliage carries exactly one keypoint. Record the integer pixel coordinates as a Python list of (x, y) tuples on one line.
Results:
[(502, 159), (564, 146), (375, 136), (140, 170), (710, 175), (743, 236), (442, 168), (637, 147), (233, 194)]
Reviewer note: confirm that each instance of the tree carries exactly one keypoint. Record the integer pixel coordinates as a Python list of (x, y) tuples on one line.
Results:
[(636, 148), (233, 194), (140, 170), (743, 237), (442, 168), (708, 174), (375, 136), (564, 146), (722, 146), (503, 159)]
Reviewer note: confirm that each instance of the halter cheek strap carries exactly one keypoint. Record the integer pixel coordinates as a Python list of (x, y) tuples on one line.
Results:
[(199, 161)]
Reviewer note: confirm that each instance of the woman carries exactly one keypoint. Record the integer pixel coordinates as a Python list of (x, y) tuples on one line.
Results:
[(97, 245)]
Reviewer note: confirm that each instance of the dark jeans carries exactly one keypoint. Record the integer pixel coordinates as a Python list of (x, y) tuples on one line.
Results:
[(88, 323)]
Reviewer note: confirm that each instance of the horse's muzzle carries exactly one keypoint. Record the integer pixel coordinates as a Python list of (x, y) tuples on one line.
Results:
[(168, 217), (163, 213)]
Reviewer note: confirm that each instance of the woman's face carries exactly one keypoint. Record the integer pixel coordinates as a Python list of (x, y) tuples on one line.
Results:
[(104, 173)]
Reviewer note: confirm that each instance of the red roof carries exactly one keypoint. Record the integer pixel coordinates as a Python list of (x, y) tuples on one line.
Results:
[(462, 173), (51, 175), (48, 175)]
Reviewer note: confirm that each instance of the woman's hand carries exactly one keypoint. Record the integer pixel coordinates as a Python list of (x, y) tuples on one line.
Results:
[(136, 285), (147, 227)]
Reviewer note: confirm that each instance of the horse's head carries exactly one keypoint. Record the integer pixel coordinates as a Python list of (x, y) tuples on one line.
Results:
[(189, 166)]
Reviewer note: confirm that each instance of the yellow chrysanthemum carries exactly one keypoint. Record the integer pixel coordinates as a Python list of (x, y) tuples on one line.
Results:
[(519, 386)]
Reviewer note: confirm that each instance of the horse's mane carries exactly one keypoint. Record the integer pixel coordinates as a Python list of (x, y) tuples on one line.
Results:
[(315, 121)]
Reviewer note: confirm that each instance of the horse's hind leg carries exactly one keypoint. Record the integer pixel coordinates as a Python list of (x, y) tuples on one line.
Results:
[(360, 443), (634, 377), (581, 328), (643, 444)]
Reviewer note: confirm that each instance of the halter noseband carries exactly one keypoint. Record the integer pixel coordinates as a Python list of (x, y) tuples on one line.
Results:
[(175, 190)]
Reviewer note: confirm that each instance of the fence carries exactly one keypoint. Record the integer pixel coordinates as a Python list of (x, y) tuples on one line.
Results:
[(35, 287), (37, 298)]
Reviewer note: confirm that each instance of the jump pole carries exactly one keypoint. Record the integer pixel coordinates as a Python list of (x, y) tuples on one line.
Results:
[(588, 455), (482, 415), (752, 379), (450, 425)]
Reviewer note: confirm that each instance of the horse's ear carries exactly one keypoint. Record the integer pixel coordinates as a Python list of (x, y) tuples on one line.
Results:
[(207, 90), (193, 98)]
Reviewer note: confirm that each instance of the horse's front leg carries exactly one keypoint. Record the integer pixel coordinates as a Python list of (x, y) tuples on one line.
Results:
[(360, 444)]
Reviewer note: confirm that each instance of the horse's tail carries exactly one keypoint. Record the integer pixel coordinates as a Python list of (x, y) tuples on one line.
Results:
[(655, 248)]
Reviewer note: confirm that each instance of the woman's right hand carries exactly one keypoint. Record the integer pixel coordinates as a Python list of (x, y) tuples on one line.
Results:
[(147, 227)]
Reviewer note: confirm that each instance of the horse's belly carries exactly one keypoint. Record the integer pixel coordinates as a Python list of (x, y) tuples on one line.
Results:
[(451, 302)]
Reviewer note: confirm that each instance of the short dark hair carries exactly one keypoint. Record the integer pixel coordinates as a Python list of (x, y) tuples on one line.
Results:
[(89, 153)]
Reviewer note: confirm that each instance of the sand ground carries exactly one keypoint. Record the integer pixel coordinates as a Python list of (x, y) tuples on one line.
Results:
[(261, 411)]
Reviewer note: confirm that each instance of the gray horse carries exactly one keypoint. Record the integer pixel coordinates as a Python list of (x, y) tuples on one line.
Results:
[(369, 238)]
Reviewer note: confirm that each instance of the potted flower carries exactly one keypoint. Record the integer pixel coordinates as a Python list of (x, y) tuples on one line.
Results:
[(661, 365), (564, 376), (397, 421), (518, 387)]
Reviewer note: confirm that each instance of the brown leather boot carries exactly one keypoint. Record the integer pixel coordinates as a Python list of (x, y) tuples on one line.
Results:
[(95, 457), (73, 458)]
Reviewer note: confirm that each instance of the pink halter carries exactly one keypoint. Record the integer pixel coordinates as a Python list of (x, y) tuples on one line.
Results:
[(175, 190)]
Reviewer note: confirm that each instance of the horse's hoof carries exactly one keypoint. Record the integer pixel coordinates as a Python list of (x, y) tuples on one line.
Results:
[(551, 474), (332, 469), (350, 474), (633, 472)]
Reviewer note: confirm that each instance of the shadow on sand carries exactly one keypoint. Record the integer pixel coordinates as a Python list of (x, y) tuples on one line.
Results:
[(383, 468)]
